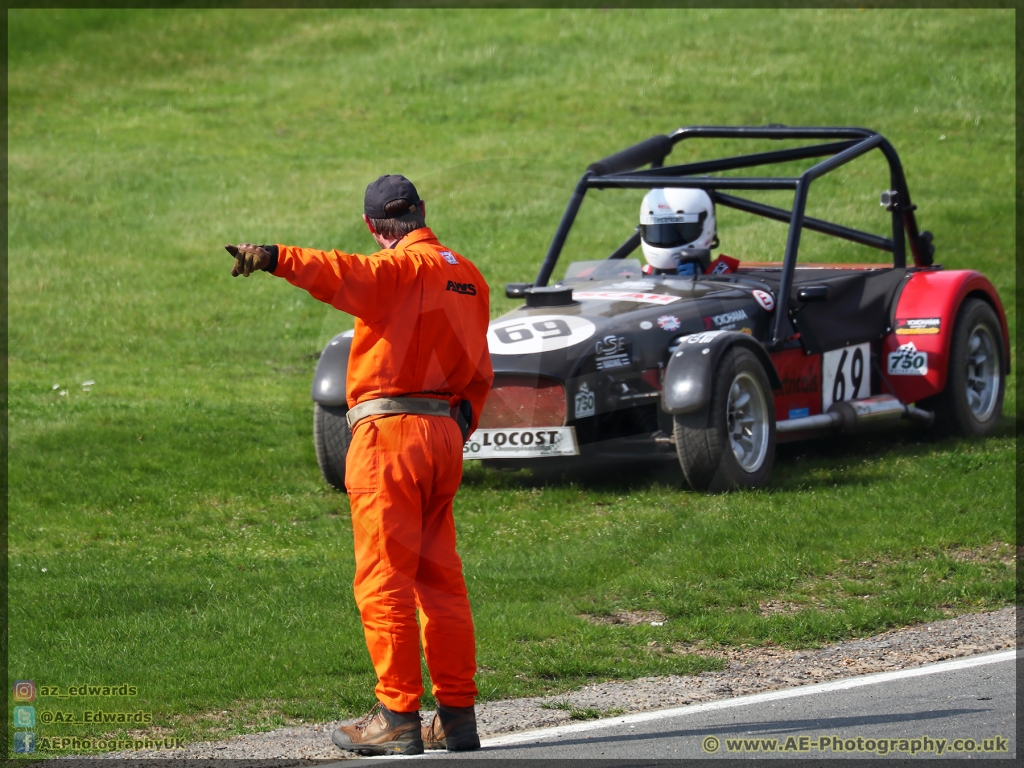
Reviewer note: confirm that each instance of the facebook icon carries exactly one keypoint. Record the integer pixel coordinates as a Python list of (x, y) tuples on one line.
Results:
[(24, 741)]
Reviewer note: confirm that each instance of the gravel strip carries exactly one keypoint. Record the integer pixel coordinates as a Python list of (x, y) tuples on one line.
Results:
[(748, 671)]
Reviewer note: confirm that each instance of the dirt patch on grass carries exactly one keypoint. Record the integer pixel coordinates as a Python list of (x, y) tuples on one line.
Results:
[(997, 552), (775, 607), (627, 618)]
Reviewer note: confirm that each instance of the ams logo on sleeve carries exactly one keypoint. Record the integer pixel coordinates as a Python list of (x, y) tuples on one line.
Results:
[(467, 289)]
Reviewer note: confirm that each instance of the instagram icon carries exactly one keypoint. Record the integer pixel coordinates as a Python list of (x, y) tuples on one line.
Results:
[(24, 690)]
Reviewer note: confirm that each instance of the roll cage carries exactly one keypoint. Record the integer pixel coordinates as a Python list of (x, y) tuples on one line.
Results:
[(623, 171)]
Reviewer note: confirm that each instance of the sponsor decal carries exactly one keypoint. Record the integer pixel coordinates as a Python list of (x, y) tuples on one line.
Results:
[(521, 443), (908, 360), (467, 289), (723, 265), (702, 338), (609, 345), (646, 325), (530, 335), (449, 257), (747, 331), (585, 402), (668, 323), (633, 285), (845, 374), (728, 318), (636, 297), (799, 413), (611, 353), (613, 361), (807, 384), (765, 299), (918, 326)]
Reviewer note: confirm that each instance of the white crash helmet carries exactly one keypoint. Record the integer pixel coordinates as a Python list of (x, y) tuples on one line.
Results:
[(672, 220)]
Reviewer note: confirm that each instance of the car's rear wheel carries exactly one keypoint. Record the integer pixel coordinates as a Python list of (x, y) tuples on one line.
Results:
[(972, 401), (731, 445), (331, 438)]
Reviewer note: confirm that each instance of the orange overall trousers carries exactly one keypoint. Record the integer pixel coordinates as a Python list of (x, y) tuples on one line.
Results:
[(421, 324)]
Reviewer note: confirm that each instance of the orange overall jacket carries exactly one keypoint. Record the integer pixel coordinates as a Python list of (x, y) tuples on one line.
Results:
[(421, 318)]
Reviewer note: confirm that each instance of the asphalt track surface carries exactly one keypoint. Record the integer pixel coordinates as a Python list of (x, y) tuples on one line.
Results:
[(957, 708)]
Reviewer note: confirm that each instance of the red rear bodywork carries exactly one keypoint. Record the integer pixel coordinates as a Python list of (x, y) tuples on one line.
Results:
[(925, 313)]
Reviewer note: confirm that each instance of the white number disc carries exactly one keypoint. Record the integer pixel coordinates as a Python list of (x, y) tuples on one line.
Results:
[(531, 334)]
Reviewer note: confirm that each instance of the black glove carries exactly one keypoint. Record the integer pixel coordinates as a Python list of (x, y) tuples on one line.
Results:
[(464, 418)]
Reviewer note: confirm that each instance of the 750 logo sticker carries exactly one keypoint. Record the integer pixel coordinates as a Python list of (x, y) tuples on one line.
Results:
[(908, 360)]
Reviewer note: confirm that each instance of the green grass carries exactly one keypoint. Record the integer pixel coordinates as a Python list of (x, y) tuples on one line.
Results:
[(189, 545)]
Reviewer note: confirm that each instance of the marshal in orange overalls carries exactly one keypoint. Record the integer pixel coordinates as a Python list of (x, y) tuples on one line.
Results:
[(421, 330)]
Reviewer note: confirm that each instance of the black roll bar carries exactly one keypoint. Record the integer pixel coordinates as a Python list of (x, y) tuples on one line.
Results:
[(816, 225), (619, 171)]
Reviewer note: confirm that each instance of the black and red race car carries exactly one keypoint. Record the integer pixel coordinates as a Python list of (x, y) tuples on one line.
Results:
[(714, 370)]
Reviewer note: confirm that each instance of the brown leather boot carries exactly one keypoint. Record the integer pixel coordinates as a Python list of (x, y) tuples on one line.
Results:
[(381, 732), (453, 728)]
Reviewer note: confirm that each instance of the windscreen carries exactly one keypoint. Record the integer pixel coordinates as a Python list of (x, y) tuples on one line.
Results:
[(603, 269)]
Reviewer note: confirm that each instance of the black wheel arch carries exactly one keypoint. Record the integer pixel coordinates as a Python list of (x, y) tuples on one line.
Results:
[(331, 371), (690, 370)]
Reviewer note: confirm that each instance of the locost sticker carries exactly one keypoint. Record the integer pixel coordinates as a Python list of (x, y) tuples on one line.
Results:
[(526, 443), (908, 360)]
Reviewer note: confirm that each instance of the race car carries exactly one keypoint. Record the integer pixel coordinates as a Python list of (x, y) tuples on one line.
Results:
[(713, 367)]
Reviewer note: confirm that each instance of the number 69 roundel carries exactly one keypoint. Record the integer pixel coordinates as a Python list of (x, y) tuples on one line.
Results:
[(531, 334)]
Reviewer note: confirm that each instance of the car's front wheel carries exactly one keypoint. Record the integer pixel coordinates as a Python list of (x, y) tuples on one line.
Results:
[(331, 438), (731, 445)]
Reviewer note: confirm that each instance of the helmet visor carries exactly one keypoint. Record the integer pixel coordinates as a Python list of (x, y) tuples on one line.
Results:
[(673, 234)]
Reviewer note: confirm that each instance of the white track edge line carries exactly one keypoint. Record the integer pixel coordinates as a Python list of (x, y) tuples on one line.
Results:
[(543, 734)]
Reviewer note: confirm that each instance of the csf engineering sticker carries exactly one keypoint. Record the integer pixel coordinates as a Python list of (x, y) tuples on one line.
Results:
[(532, 442), (908, 361), (611, 353)]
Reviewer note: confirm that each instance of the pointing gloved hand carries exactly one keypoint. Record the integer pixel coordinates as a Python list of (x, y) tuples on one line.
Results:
[(248, 258)]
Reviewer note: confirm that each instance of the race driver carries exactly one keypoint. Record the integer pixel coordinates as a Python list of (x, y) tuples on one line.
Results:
[(418, 375), (677, 231)]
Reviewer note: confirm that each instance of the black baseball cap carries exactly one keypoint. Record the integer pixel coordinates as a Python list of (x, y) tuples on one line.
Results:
[(386, 189)]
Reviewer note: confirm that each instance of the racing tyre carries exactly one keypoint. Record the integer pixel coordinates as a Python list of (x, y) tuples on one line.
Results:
[(972, 401), (331, 438), (731, 445)]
